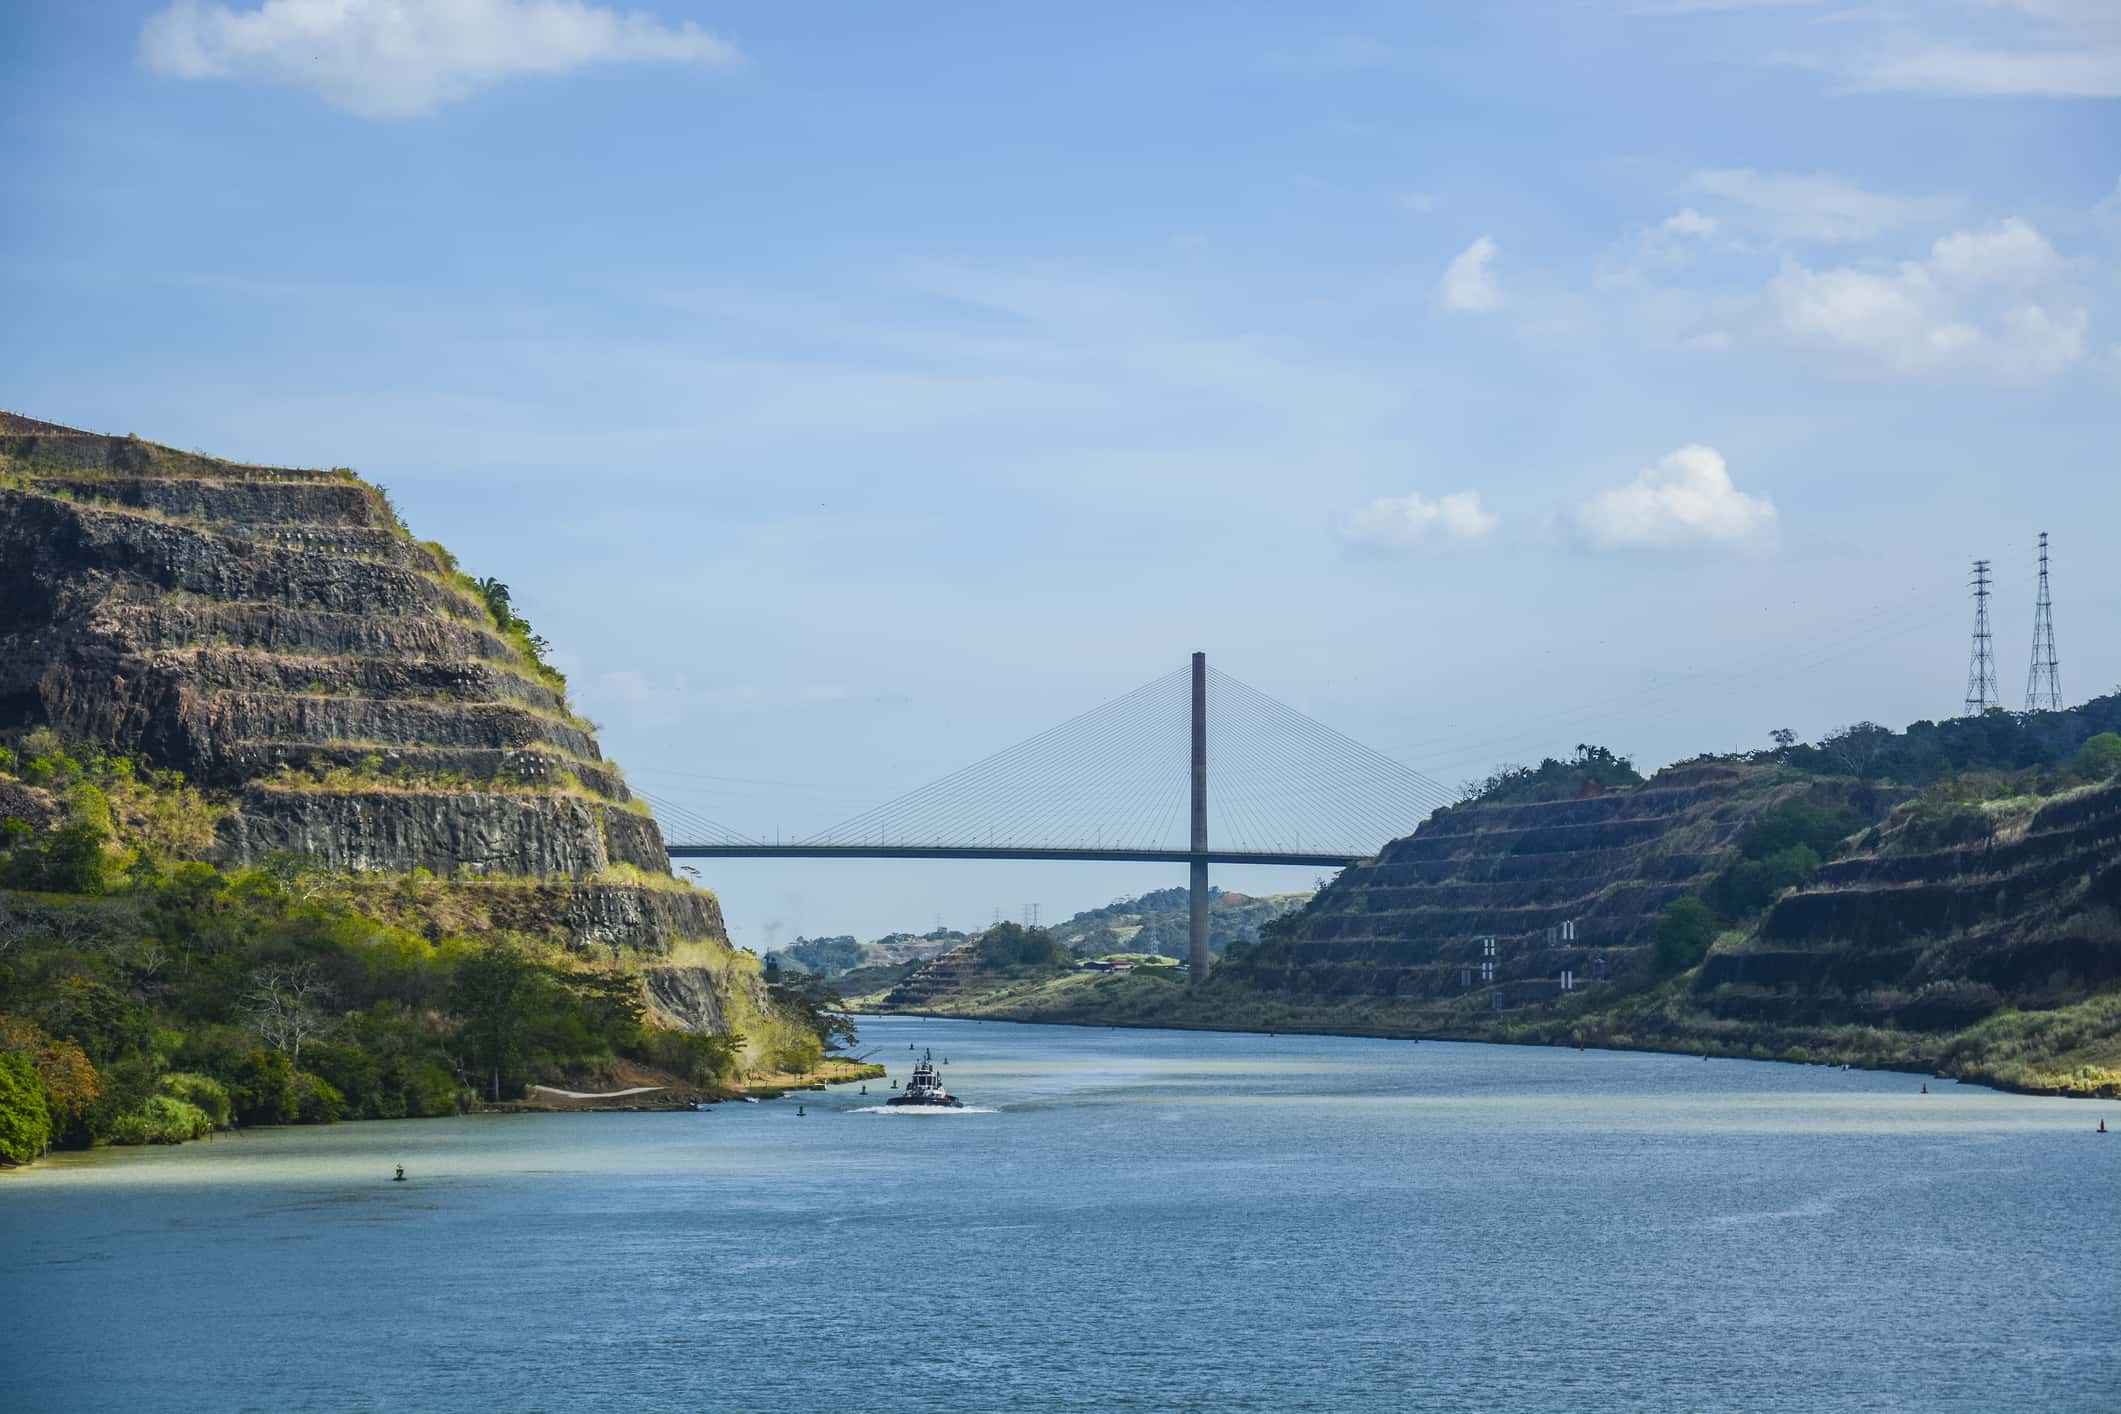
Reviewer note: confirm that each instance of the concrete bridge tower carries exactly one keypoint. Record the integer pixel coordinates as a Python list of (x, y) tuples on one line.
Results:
[(1197, 892)]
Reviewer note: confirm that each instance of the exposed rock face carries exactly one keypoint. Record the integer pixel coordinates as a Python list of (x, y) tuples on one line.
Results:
[(688, 996), (517, 835), (1911, 934), (278, 636), (1410, 923), (940, 979)]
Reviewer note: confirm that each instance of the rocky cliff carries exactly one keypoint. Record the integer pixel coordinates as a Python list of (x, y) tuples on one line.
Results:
[(2025, 914), (1574, 885), (278, 636)]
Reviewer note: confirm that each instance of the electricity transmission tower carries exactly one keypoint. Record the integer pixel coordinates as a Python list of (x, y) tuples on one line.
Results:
[(2043, 682), (1981, 692)]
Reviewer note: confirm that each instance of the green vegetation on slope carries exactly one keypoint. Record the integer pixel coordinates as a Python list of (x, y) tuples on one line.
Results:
[(1160, 921), (146, 997)]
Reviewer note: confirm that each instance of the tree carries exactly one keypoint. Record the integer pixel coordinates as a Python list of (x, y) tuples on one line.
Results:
[(284, 1007), (1684, 934), (1855, 748), (816, 1004), (71, 861), (1783, 738), (298, 876), (497, 597), (2099, 759), (1008, 945), (25, 1121), (68, 1076), (491, 996)]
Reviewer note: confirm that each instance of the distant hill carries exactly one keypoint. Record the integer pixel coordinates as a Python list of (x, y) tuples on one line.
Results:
[(1159, 922), (840, 954)]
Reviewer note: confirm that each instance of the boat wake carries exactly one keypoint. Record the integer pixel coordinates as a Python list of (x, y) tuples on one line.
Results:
[(923, 1110)]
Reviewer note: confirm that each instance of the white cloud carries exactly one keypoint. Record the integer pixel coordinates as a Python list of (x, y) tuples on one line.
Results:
[(1952, 48), (395, 58), (1397, 524), (1420, 202), (1817, 206), (1468, 282), (1997, 49), (1988, 301), (1689, 222), (1685, 499), (2009, 253)]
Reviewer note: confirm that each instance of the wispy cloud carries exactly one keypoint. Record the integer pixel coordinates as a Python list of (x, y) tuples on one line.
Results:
[(1995, 49), (1813, 206), (1468, 283), (398, 58), (1403, 524), (1944, 48)]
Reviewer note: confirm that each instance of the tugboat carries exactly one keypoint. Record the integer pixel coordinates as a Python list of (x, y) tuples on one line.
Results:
[(926, 1087)]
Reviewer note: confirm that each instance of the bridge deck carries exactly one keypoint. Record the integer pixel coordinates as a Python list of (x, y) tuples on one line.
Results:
[(888, 851)]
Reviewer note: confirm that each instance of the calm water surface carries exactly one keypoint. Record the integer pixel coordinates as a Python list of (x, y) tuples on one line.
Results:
[(1144, 1221)]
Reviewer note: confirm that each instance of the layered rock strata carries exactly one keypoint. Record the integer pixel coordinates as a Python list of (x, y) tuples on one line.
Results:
[(1890, 930), (278, 636), (1573, 885)]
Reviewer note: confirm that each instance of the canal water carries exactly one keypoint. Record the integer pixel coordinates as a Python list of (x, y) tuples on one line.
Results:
[(1132, 1220)]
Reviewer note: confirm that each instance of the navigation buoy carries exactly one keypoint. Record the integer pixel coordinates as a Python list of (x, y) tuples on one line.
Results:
[(1925, 1087), (2102, 1127), (798, 1111), (865, 1089), (399, 1176)]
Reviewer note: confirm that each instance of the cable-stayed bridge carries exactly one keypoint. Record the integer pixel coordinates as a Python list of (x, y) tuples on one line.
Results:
[(1129, 781)]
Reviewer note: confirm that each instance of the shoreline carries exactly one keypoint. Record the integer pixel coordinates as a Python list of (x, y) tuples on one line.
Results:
[(1387, 1034), (678, 1099)]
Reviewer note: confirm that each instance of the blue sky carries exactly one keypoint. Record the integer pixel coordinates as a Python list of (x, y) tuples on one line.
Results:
[(850, 391)]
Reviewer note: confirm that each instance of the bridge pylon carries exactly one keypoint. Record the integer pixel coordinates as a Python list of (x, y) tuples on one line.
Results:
[(1197, 883)]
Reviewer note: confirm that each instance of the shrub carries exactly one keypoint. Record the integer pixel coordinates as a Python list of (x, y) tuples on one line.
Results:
[(1799, 822), (2099, 759), (432, 1090), (25, 1123), (702, 1060), (209, 1095), (160, 1119), (263, 1089), (1683, 934), (316, 1100), (69, 861), (1752, 884)]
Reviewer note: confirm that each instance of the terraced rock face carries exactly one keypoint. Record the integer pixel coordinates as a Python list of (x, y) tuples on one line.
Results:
[(279, 637), (1940, 937), (1575, 884), (943, 978)]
